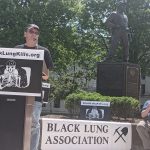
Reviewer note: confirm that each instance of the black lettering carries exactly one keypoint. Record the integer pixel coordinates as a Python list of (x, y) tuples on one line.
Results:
[(61, 140), (105, 129), (96, 128), (63, 129), (85, 130), (74, 138), (95, 140), (79, 139), (67, 140), (84, 141), (48, 141), (102, 140), (92, 128), (77, 128), (55, 140), (90, 139), (70, 127), (55, 128), (105, 140), (50, 127), (99, 129)]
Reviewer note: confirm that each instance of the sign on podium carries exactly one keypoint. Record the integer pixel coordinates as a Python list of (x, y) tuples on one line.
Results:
[(20, 82)]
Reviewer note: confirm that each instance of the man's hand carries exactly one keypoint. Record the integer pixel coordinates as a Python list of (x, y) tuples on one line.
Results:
[(44, 76)]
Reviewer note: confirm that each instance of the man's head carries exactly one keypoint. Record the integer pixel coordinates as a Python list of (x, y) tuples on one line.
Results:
[(31, 35)]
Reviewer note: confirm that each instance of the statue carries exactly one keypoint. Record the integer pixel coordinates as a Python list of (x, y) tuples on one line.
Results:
[(117, 22)]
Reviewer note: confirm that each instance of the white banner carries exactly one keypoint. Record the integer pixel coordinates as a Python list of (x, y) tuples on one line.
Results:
[(95, 103), (13, 53), (65, 134)]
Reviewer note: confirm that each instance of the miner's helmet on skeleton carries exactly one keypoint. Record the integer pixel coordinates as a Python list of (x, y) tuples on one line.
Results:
[(11, 63)]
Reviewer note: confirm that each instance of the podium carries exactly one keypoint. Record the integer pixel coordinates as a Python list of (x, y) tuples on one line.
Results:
[(118, 79), (20, 82)]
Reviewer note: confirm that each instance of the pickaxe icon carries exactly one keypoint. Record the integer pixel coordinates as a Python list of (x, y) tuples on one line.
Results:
[(124, 132)]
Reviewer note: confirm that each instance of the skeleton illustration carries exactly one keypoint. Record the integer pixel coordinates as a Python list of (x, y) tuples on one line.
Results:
[(94, 113), (11, 76)]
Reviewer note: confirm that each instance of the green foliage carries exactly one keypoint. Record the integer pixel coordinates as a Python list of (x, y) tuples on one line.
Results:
[(125, 107), (139, 19), (62, 86), (120, 106), (75, 28), (75, 33)]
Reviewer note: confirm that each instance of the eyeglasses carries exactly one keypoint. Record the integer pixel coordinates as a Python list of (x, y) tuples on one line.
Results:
[(33, 32)]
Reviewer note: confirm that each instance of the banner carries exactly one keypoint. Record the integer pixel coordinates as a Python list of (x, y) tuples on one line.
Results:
[(21, 71), (58, 134)]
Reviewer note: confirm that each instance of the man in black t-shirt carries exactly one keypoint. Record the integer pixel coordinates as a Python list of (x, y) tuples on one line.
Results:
[(31, 35)]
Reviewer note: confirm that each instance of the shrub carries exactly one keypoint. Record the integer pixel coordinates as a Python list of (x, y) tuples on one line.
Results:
[(125, 107)]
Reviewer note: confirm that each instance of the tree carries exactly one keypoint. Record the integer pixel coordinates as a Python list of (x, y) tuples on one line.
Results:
[(139, 19), (74, 32)]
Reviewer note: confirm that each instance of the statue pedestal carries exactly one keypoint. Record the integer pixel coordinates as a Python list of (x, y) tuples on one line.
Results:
[(118, 79)]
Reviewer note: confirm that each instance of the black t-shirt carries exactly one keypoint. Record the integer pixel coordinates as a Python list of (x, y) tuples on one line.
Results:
[(47, 55)]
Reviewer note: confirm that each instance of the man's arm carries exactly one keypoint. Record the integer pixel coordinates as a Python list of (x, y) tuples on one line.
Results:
[(47, 65), (45, 72)]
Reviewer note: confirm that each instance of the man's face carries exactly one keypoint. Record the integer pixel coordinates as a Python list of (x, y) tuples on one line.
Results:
[(31, 37)]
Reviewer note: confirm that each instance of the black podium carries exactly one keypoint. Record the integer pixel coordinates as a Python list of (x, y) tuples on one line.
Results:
[(118, 79), (20, 82)]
